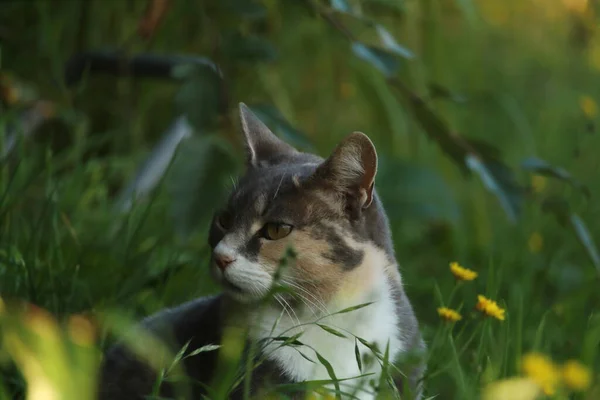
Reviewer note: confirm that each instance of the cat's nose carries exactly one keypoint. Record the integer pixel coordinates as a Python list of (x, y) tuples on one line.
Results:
[(223, 261)]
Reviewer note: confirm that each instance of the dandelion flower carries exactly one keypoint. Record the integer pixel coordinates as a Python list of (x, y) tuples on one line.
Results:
[(542, 371), (490, 308), (461, 273), (448, 314), (535, 243), (513, 389), (538, 183), (589, 106), (575, 375)]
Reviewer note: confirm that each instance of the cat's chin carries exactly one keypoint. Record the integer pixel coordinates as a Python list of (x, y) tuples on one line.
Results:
[(239, 294)]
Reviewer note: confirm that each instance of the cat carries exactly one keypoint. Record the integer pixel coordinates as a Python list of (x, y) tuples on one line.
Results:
[(328, 213)]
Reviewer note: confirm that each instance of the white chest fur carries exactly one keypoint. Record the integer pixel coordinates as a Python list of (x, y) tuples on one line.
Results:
[(376, 323)]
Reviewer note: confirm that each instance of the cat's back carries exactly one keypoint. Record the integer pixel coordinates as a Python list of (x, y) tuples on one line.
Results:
[(124, 376)]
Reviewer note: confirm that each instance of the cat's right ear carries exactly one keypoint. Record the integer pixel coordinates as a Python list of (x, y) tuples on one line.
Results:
[(351, 169), (262, 146)]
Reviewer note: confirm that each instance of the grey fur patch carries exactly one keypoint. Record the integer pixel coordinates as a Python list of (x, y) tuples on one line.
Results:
[(340, 252)]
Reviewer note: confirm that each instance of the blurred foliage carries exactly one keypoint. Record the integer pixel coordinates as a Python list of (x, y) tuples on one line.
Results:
[(503, 91)]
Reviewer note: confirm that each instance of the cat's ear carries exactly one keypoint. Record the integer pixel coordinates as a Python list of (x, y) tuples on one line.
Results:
[(351, 168), (261, 144)]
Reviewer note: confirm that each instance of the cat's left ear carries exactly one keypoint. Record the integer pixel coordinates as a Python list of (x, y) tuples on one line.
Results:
[(262, 146), (351, 168)]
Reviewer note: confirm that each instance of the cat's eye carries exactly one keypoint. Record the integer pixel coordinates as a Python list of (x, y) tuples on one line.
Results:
[(225, 221), (276, 230)]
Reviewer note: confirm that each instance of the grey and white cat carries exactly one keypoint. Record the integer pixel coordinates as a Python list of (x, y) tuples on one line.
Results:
[(329, 213)]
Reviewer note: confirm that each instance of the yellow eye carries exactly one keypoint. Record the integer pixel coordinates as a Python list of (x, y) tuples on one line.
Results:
[(276, 230)]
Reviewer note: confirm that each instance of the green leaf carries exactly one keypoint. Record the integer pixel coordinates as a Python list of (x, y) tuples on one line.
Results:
[(289, 340), (387, 7), (353, 308), (469, 10), (414, 192), (178, 357), (331, 374), (249, 48), (560, 209), (280, 126), (245, 8), (307, 358), (155, 166), (385, 363), (380, 59), (370, 346), (341, 5), (331, 330), (498, 180), (437, 91), (390, 43), (542, 167), (202, 165), (199, 97), (585, 238), (357, 355), (204, 349), (433, 125)]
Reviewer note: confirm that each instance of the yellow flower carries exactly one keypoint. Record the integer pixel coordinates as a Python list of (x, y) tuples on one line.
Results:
[(575, 375), (579, 6), (536, 242), (461, 273), (588, 105), (513, 389), (448, 314), (538, 183), (81, 330), (541, 370), (490, 308)]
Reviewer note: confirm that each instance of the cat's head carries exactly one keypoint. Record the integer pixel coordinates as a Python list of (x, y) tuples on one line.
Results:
[(322, 209)]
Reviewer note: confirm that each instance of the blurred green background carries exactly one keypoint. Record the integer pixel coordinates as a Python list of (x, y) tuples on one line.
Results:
[(483, 113)]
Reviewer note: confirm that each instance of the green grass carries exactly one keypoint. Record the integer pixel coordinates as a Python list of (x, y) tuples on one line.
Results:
[(523, 69)]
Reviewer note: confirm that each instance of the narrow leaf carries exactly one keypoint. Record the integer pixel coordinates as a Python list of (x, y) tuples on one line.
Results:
[(391, 44), (307, 358), (341, 5), (357, 355), (494, 184), (331, 330), (250, 48), (370, 346), (156, 164), (204, 349), (289, 340), (331, 373), (542, 167), (178, 357), (385, 363), (353, 308), (438, 91), (584, 236), (380, 59)]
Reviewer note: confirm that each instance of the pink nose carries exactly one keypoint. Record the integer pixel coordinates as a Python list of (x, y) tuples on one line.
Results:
[(223, 261)]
